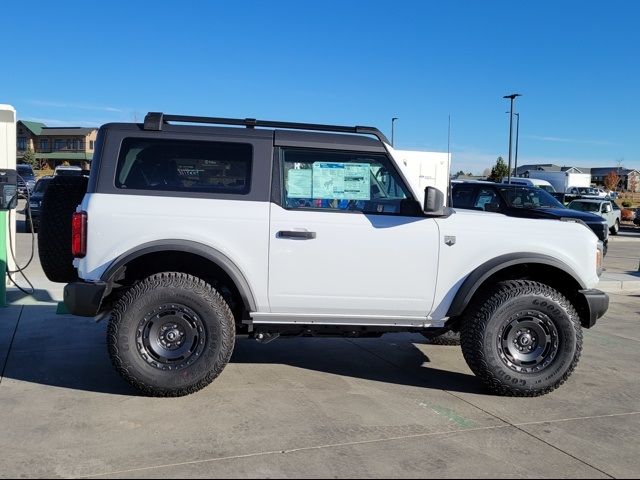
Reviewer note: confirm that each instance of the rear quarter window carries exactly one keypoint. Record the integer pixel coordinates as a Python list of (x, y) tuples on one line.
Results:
[(184, 166)]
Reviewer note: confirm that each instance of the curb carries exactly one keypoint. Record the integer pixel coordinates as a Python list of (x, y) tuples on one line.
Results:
[(612, 286)]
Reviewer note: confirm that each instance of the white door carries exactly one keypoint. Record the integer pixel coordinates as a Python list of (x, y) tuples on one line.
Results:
[(343, 243)]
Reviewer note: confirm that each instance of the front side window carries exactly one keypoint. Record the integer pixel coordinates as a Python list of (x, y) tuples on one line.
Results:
[(485, 197), (342, 181), (463, 196), (185, 166)]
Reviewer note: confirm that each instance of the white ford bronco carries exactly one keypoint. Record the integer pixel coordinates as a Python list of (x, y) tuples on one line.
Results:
[(187, 234)]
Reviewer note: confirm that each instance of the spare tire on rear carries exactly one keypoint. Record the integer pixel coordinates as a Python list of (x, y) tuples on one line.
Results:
[(60, 201)]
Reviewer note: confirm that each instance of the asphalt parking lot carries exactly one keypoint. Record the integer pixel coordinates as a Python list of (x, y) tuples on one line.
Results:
[(389, 407)]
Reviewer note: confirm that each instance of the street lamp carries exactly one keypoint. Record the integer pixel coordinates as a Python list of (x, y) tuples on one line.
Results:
[(515, 166), (511, 97), (393, 122)]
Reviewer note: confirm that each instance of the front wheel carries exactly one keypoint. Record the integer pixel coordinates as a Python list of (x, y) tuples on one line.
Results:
[(522, 338), (171, 335), (616, 228)]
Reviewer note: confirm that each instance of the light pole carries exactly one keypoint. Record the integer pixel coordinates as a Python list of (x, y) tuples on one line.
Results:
[(511, 97), (393, 130), (515, 167)]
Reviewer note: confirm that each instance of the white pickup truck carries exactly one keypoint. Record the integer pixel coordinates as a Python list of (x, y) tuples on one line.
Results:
[(602, 208)]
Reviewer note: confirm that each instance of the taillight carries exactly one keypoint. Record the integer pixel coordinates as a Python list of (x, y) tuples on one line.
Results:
[(79, 234)]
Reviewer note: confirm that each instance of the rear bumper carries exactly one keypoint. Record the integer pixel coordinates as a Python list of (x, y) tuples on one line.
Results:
[(597, 303), (84, 298)]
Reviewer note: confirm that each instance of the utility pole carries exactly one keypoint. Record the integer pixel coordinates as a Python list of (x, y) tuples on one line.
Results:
[(511, 97), (393, 130)]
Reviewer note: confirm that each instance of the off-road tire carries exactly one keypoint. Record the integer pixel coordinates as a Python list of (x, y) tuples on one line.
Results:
[(60, 201), (615, 229), (496, 310), (126, 347), (449, 338)]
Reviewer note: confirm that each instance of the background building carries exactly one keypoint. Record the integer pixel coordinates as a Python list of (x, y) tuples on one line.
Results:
[(629, 177), (56, 145)]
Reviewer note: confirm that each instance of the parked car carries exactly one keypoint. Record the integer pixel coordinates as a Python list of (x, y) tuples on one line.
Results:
[(26, 179), (602, 208), (35, 204), (523, 202), (68, 170), (583, 192), (532, 182)]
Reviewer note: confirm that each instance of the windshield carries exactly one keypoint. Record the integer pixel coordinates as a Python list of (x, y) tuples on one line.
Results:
[(588, 191), (529, 197), (585, 206), (547, 188), (42, 185)]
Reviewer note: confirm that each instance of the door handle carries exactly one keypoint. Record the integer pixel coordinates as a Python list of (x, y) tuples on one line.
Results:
[(297, 235)]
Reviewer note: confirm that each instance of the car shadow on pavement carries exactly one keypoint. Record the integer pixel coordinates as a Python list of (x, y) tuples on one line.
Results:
[(70, 352), (400, 362)]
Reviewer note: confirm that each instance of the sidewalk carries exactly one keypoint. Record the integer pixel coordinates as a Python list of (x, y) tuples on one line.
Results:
[(619, 282)]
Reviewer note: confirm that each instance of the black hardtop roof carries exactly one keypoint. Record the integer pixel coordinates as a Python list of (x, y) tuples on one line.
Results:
[(301, 138)]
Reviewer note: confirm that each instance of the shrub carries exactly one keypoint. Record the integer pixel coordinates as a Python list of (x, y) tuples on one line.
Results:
[(626, 204), (627, 215)]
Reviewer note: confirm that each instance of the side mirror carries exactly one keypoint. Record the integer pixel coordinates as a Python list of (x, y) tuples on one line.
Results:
[(433, 201)]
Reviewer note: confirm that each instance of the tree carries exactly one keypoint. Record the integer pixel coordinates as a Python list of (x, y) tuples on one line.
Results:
[(633, 183), (29, 158), (460, 172), (499, 171), (611, 180)]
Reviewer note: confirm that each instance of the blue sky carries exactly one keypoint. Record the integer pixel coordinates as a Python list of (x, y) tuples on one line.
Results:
[(577, 63)]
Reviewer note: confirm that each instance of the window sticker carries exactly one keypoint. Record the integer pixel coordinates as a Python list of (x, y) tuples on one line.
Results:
[(338, 180), (299, 183)]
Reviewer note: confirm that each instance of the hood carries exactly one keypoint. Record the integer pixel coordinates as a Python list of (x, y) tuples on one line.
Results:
[(557, 213)]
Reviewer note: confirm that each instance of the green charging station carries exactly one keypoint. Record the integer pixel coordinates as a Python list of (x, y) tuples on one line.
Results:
[(8, 201), (8, 191)]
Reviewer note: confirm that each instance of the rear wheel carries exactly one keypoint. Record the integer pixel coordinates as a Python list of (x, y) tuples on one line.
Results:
[(171, 335), (522, 338)]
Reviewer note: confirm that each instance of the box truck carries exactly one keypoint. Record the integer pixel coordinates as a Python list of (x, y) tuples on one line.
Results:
[(563, 181)]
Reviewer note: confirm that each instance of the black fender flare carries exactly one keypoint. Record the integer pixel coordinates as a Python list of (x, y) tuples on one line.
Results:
[(186, 246), (477, 277)]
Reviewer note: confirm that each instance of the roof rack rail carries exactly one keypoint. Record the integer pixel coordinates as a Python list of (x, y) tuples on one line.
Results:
[(155, 121)]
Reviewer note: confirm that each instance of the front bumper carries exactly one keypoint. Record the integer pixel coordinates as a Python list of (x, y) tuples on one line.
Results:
[(84, 298), (597, 304)]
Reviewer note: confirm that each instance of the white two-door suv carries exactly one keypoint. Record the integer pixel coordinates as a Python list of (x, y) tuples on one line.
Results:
[(189, 234)]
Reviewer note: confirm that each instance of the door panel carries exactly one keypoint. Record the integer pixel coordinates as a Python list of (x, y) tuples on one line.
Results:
[(352, 263)]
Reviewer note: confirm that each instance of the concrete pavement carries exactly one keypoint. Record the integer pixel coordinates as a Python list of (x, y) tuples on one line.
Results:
[(316, 408)]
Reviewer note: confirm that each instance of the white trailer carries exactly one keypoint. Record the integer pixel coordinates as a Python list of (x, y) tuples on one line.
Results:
[(563, 181), (424, 169)]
